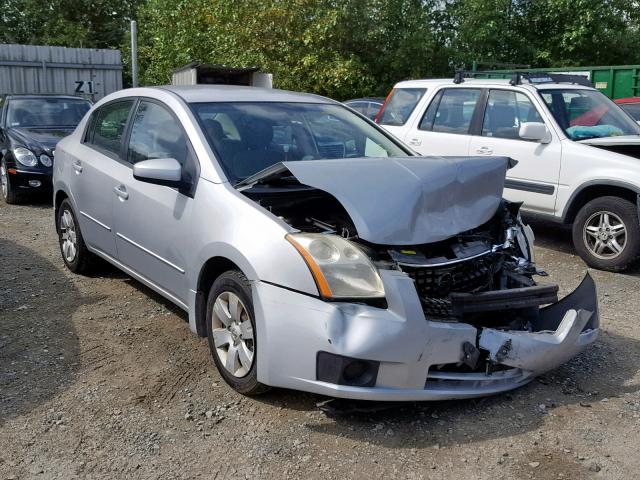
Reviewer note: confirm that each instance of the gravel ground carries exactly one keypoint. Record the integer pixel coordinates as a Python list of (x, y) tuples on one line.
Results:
[(101, 378)]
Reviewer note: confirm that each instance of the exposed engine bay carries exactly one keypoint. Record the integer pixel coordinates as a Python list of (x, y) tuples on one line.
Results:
[(468, 277), (444, 224)]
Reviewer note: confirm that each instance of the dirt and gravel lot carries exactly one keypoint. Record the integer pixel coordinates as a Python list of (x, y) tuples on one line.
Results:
[(101, 378)]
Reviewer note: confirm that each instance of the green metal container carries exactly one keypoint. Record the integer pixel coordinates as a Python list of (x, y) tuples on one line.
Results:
[(619, 81)]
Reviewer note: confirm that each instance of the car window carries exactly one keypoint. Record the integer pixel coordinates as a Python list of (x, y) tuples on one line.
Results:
[(271, 132), (632, 109), (108, 126), (372, 111), (360, 107), (155, 133), (506, 111), (400, 105), (46, 112), (451, 110)]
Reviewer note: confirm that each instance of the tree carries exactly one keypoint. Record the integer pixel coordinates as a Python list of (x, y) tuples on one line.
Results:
[(331, 47), (81, 23)]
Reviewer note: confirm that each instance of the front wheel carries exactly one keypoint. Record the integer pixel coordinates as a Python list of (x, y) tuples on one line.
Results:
[(606, 233), (231, 332), (9, 195)]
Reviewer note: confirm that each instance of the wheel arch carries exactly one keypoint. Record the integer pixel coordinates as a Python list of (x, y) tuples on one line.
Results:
[(595, 189), (210, 271)]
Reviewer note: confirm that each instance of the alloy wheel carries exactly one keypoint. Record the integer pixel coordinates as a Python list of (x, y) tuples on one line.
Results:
[(68, 236), (605, 235), (233, 334), (4, 181)]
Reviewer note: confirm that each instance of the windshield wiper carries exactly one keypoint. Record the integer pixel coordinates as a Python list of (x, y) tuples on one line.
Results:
[(272, 171)]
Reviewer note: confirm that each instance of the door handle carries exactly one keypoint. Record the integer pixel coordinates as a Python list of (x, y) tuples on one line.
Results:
[(415, 142), (484, 150), (121, 192), (77, 166)]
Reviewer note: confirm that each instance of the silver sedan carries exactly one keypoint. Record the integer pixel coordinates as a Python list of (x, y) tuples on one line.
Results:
[(314, 250)]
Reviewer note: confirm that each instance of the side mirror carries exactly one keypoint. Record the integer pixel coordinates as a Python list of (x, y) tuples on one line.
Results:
[(535, 131), (160, 171)]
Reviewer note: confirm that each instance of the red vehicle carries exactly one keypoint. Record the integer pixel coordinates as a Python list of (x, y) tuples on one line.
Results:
[(631, 106)]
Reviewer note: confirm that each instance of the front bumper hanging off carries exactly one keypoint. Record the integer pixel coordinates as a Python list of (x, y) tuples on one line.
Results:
[(411, 357)]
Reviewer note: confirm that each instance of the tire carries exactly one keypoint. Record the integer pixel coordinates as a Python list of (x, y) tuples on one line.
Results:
[(606, 233), (231, 332), (9, 195), (80, 259)]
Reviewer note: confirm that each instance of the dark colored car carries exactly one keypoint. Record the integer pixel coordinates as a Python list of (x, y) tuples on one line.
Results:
[(631, 106), (369, 107), (30, 128)]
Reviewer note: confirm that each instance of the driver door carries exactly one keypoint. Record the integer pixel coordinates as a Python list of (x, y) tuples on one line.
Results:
[(151, 220), (534, 180)]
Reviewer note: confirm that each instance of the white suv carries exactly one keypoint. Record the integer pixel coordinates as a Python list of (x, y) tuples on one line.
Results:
[(577, 151)]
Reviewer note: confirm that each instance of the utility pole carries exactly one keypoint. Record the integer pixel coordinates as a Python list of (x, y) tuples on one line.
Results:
[(134, 53)]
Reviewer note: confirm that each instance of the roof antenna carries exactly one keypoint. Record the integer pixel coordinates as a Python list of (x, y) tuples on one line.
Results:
[(458, 77), (516, 79)]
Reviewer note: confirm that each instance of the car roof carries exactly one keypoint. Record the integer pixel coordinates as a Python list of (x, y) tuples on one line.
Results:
[(622, 101), (485, 82), (236, 93), (366, 99)]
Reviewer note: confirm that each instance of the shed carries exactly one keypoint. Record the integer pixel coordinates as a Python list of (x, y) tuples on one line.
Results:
[(36, 69), (209, 74)]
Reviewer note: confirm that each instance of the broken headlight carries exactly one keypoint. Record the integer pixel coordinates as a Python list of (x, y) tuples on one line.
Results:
[(340, 269)]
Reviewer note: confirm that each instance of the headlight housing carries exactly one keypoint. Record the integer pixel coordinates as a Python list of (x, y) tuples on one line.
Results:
[(25, 157), (340, 269), (46, 160)]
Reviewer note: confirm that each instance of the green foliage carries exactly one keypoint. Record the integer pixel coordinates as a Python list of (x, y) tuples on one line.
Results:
[(78, 23), (544, 33), (330, 47), (340, 48)]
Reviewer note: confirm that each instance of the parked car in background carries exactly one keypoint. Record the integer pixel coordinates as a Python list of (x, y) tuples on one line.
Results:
[(30, 127), (369, 107), (313, 249), (631, 106), (577, 151)]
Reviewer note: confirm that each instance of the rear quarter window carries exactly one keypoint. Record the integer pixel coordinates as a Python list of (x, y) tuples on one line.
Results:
[(632, 109), (400, 105)]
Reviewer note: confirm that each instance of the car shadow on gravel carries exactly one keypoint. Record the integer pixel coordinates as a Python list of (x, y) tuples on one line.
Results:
[(555, 236), (39, 347), (602, 372)]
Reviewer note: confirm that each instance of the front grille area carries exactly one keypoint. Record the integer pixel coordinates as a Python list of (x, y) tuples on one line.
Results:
[(434, 284)]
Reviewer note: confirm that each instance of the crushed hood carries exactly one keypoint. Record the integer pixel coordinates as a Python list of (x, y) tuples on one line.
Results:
[(410, 200)]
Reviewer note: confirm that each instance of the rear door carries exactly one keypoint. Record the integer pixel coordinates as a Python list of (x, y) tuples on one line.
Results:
[(152, 221), (94, 171), (444, 127), (534, 180)]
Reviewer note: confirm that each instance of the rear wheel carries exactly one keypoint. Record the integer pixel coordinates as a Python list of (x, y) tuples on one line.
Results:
[(231, 332), (606, 233), (8, 193), (75, 254)]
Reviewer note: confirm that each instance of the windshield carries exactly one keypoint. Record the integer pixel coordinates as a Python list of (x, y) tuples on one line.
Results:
[(399, 106), (249, 137), (46, 112), (584, 114)]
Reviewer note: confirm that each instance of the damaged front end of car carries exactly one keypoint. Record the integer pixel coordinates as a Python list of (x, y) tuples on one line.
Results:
[(439, 228)]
